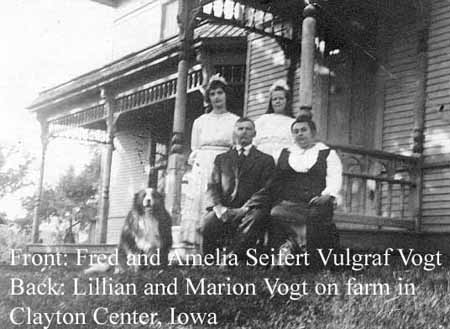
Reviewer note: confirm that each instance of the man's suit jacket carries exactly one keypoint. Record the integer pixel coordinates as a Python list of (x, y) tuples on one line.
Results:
[(232, 187)]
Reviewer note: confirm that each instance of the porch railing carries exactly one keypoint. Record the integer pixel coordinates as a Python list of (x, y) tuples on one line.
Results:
[(379, 189), (156, 91)]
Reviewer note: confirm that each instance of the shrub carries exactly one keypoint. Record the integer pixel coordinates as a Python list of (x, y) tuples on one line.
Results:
[(12, 237)]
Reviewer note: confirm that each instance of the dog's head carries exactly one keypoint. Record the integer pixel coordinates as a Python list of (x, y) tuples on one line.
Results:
[(147, 200)]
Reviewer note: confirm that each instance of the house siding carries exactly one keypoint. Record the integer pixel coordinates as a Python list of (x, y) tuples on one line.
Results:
[(128, 176), (266, 64), (436, 191), (398, 116), (400, 87)]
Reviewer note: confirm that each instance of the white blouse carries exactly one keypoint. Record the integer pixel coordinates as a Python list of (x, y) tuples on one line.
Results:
[(211, 129), (273, 133), (301, 160)]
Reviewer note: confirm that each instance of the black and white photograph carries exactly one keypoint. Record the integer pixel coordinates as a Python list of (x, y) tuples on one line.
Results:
[(250, 164)]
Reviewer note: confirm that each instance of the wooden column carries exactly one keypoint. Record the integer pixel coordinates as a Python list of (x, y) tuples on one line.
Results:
[(322, 89), (307, 59), (37, 207), (423, 14), (292, 53), (102, 226), (175, 166)]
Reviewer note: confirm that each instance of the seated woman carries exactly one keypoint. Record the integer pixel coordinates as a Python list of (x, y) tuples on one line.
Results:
[(302, 192)]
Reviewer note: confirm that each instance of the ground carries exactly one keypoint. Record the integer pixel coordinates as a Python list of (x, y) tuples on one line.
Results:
[(364, 306)]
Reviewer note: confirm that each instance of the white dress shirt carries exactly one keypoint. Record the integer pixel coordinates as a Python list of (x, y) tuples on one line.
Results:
[(246, 149)]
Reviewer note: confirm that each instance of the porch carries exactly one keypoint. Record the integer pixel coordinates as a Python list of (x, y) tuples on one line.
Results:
[(379, 205), (382, 182)]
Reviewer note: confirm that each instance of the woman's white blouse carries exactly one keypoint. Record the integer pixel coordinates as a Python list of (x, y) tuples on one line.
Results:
[(273, 133), (301, 160), (212, 129)]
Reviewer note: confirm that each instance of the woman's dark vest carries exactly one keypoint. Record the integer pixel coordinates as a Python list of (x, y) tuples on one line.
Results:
[(299, 186)]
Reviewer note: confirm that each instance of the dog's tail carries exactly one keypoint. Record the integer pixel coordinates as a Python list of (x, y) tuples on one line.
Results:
[(97, 268)]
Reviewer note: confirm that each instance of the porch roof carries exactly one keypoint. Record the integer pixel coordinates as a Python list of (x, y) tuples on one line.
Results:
[(132, 62)]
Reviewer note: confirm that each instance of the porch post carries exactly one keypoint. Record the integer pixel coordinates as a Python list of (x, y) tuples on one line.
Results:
[(102, 227), (292, 52), (37, 206), (307, 59), (422, 15), (176, 159)]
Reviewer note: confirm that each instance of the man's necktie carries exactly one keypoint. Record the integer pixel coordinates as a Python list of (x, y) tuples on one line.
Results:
[(241, 157)]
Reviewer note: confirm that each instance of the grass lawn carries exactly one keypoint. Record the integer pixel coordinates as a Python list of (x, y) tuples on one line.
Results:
[(376, 305)]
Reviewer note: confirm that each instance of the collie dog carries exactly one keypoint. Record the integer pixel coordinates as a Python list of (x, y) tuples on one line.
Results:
[(147, 230)]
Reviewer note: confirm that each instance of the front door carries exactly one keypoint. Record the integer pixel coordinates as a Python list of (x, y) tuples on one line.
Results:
[(350, 116)]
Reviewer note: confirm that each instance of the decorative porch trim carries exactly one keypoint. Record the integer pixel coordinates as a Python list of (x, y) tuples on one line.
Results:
[(81, 134), (246, 17), (80, 118), (71, 125), (157, 91)]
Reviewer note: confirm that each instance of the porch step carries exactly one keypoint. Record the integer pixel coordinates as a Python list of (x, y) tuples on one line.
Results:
[(359, 219)]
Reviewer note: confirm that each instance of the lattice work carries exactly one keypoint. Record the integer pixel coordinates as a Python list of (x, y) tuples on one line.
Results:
[(78, 133), (160, 91), (244, 16), (80, 118), (71, 126)]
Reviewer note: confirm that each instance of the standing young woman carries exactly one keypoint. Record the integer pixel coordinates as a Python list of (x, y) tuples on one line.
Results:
[(212, 134), (273, 129)]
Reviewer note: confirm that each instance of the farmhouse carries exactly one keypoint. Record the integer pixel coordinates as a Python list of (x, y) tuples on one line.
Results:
[(373, 73)]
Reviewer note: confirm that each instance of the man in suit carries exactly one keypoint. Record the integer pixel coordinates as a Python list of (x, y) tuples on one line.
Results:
[(237, 174)]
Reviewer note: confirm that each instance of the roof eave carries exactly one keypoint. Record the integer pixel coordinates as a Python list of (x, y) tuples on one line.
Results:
[(38, 105), (165, 49)]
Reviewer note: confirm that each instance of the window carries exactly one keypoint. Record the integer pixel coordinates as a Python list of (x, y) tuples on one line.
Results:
[(169, 26)]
